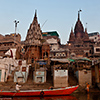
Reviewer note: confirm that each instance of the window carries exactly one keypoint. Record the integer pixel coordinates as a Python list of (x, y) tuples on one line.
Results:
[(60, 54), (86, 54), (63, 54), (77, 45), (57, 54), (90, 52), (53, 48), (97, 49)]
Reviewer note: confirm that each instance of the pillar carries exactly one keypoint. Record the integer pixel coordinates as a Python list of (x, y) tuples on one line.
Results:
[(96, 74)]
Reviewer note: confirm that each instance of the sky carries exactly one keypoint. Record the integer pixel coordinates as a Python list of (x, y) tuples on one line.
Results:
[(53, 15)]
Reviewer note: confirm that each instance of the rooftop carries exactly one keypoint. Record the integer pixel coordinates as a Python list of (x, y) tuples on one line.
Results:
[(52, 33), (92, 34)]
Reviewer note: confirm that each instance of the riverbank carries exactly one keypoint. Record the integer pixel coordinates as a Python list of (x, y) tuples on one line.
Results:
[(86, 96), (81, 94), (83, 90)]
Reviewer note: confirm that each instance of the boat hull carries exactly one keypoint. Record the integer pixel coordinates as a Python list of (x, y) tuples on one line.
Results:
[(47, 92)]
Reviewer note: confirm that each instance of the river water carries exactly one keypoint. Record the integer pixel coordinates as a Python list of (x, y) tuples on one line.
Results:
[(77, 96)]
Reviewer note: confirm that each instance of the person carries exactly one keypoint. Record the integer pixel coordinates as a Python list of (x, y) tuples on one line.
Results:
[(51, 87), (17, 87), (87, 87)]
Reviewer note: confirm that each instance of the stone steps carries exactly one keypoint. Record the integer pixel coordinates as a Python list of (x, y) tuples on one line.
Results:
[(25, 86)]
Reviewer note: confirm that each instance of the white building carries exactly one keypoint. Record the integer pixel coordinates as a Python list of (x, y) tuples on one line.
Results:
[(9, 65), (21, 73)]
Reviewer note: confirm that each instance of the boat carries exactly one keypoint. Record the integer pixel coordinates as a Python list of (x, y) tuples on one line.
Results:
[(45, 92)]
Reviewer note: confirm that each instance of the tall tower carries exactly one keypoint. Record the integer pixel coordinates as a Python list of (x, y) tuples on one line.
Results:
[(34, 34), (33, 41), (79, 40)]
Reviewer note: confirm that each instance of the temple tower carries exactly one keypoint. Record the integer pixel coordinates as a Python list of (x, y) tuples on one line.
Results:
[(34, 34), (79, 42)]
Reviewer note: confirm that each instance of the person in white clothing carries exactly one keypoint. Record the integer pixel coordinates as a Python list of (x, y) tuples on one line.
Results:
[(17, 87)]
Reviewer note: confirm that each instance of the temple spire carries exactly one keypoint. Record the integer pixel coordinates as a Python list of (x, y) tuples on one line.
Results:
[(35, 17), (71, 29), (35, 14), (86, 28), (79, 14), (72, 36)]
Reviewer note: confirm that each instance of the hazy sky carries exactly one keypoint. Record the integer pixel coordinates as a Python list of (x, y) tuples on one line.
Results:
[(61, 15)]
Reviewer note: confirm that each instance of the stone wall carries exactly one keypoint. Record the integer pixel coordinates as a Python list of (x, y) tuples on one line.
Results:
[(84, 76), (60, 78)]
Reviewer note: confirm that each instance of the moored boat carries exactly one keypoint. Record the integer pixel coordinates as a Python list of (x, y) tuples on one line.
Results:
[(45, 92)]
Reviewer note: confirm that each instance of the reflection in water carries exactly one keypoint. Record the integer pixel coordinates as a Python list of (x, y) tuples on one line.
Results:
[(76, 96), (96, 97), (46, 98), (88, 96)]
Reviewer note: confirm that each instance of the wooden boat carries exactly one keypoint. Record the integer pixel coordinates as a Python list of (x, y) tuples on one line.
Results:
[(45, 92)]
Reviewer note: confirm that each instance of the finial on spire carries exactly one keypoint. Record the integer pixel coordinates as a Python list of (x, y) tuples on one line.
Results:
[(86, 25), (72, 28), (79, 14), (86, 28), (35, 13)]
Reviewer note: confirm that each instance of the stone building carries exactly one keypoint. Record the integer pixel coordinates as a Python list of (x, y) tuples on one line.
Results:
[(96, 50), (57, 50), (79, 43), (94, 36), (9, 41), (52, 39), (35, 46), (61, 53)]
